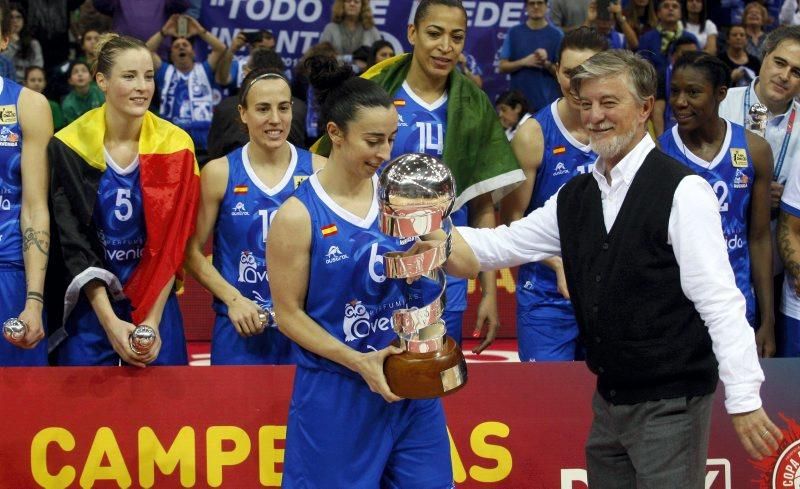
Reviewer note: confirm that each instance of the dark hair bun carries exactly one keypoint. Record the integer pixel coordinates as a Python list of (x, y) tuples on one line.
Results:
[(326, 74)]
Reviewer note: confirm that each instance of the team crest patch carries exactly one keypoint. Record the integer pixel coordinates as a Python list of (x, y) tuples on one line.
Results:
[(739, 157), (8, 114), (8, 137), (299, 179), (741, 180)]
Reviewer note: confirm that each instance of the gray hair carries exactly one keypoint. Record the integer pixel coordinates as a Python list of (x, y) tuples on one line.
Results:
[(641, 75), (782, 33)]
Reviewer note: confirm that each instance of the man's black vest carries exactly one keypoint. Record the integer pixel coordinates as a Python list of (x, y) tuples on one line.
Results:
[(643, 337)]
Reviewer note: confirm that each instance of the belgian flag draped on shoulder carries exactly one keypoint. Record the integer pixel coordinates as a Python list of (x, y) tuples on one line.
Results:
[(170, 186), (476, 148)]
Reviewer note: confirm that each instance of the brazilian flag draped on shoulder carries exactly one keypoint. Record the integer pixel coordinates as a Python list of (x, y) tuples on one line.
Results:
[(170, 186), (476, 148)]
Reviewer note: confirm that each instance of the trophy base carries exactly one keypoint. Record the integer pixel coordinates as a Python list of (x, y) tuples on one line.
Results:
[(426, 375)]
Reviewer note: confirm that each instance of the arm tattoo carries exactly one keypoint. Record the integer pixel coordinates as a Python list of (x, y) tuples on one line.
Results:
[(39, 239), (785, 248)]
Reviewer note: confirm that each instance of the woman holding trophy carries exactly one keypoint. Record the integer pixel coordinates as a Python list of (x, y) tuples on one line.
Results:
[(125, 191), (239, 195), (346, 428)]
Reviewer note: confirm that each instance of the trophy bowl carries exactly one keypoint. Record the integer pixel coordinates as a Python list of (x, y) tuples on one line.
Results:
[(416, 195), (14, 329)]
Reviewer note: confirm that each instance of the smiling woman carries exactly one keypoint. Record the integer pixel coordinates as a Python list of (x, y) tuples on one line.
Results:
[(132, 177)]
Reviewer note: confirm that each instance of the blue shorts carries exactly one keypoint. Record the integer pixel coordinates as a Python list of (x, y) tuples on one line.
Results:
[(87, 344), (787, 336), (12, 302), (547, 333), (342, 435), (229, 348), (454, 322)]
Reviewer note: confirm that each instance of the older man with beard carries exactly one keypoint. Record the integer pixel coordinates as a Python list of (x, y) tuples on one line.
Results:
[(653, 291)]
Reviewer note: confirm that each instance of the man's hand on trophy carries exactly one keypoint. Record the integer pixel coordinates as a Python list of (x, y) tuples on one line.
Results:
[(487, 315), (34, 331), (370, 367), (244, 313)]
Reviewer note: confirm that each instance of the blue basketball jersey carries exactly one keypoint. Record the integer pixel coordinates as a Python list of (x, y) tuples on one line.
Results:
[(119, 218), (731, 175), (245, 213), (10, 176), (421, 128), (563, 158), (348, 293)]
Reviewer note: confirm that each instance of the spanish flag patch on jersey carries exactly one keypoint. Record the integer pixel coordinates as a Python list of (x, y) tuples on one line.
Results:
[(240, 189), (329, 230), (398, 102), (559, 149)]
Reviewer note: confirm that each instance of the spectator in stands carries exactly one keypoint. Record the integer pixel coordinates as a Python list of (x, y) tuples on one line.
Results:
[(359, 60), (648, 274), (227, 133), (35, 80), (743, 65), (25, 225), (88, 43), (141, 20), (351, 26), (754, 18), (662, 112), (696, 21), (189, 89), (641, 16), (48, 21), (380, 51), (551, 148), (23, 50), (568, 14), (776, 87), (124, 197), (7, 70), (790, 13), (242, 45), (529, 53), (654, 45), (512, 110), (469, 67), (738, 165), (84, 96), (605, 24), (439, 110), (302, 90), (259, 176)]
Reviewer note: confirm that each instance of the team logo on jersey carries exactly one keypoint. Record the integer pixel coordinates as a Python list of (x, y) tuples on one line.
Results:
[(357, 323), (248, 269), (8, 137), (329, 230), (528, 285), (561, 169), (741, 180), (559, 149), (8, 114), (239, 210), (401, 122), (738, 157), (299, 179), (334, 255)]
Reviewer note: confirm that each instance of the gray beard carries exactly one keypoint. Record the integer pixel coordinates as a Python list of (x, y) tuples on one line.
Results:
[(611, 148)]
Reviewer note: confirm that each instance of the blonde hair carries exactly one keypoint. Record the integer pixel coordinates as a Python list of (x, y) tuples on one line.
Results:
[(108, 46), (765, 19), (364, 17)]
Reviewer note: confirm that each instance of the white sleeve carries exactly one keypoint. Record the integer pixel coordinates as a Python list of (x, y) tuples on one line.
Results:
[(790, 199), (711, 28), (695, 232), (532, 238), (788, 12)]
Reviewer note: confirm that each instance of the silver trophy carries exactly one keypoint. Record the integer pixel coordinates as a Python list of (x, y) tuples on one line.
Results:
[(142, 338), (757, 119), (416, 195), (14, 330)]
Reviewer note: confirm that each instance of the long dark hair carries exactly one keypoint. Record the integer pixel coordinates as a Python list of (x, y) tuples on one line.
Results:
[(25, 36), (701, 18), (340, 93)]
